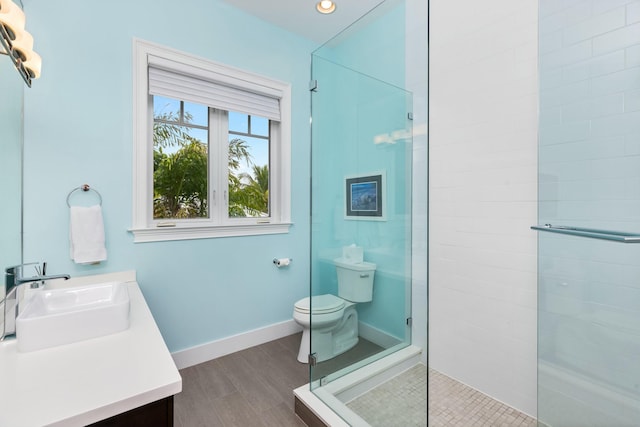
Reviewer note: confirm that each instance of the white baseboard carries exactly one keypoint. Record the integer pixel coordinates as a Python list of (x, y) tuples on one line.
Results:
[(377, 336), (214, 349), (222, 347)]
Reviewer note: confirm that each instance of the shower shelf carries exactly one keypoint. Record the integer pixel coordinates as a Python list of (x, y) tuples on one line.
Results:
[(616, 236)]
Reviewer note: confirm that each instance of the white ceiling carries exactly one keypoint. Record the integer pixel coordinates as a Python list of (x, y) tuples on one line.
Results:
[(300, 16)]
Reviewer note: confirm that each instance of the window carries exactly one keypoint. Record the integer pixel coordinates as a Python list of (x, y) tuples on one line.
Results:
[(212, 149)]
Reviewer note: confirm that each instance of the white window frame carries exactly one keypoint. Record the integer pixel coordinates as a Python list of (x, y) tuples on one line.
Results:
[(145, 228)]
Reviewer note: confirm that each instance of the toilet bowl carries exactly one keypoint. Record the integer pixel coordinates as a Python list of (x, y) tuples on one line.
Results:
[(334, 319), (334, 322)]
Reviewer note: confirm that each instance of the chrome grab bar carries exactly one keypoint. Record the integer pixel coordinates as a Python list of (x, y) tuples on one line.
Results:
[(615, 236)]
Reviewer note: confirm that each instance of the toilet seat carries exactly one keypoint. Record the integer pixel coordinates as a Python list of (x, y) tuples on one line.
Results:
[(322, 304)]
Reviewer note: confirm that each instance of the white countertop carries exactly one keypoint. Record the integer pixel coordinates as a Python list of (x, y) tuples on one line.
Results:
[(81, 383)]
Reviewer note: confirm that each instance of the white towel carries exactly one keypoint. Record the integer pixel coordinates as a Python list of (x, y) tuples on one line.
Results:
[(86, 235)]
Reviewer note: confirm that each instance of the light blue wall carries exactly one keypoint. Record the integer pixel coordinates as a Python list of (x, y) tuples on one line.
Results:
[(78, 129), (358, 99)]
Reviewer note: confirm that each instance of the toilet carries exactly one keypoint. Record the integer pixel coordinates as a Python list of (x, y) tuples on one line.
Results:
[(334, 318)]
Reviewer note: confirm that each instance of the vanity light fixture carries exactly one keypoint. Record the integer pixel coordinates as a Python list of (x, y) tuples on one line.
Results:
[(17, 43), (326, 6)]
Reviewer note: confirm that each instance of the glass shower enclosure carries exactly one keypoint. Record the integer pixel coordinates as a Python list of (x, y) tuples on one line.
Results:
[(589, 214), (361, 194)]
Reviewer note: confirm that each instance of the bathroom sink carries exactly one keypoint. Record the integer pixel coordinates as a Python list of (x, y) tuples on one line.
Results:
[(63, 316)]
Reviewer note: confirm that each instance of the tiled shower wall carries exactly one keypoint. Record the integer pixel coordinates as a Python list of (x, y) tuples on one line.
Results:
[(590, 112), (483, 196)]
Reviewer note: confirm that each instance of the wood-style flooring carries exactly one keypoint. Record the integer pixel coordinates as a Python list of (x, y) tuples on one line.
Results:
[(250, 388), (253, 387)]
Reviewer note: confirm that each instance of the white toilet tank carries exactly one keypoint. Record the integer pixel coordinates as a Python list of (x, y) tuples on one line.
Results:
[(355, 280)]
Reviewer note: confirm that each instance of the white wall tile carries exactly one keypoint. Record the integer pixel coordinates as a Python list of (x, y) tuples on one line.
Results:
[(594, 26), (600, 7), (557, 15), (569, 54), (632, 100), (627, 79), (633, 12), (615, 40), (608, 63), (632, 56), (551, 41), (483, 193)]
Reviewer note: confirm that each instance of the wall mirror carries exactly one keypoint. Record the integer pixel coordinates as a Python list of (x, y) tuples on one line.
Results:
[(11, 128)]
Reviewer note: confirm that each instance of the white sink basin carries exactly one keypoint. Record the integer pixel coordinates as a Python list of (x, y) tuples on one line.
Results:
[(63, 316)]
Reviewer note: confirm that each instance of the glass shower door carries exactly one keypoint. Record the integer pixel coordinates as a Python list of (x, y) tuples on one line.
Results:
[(361, 200), (589, 214)]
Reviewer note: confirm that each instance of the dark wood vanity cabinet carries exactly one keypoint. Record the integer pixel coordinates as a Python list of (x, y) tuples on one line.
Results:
[(154, 414)]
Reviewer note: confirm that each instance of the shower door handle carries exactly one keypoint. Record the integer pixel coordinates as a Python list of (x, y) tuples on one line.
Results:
[(364, 275), (615, 236)]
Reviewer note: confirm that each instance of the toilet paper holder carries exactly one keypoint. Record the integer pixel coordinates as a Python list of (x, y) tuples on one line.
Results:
[(282, 262)]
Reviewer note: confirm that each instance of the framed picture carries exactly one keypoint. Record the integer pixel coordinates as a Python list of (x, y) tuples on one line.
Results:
[(364, 197)]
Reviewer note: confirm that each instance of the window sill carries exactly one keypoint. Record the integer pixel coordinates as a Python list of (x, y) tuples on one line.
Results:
[(162, 234)]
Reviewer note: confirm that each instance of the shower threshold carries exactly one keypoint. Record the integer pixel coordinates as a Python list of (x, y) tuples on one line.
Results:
[(328, 403)]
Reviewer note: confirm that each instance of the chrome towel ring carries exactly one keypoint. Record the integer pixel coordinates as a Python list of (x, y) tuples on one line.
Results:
[(83, 187)]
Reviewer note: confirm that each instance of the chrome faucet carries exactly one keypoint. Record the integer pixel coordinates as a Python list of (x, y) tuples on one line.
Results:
[(10, 302)]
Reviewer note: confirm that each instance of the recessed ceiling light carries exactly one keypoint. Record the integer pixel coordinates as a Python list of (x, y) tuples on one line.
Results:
[(326, 6)]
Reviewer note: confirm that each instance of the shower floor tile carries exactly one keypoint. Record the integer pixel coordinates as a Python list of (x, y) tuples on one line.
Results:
[(454, 404), (401, 402)]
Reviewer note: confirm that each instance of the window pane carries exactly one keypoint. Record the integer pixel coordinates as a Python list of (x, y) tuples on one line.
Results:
[(180, 171), (166, 108), (238, 122), (248, 176), (259, 126), (196, 114)]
